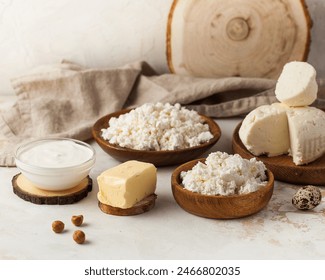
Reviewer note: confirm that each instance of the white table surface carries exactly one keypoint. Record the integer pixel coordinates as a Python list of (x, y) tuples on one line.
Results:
[(166, 232)]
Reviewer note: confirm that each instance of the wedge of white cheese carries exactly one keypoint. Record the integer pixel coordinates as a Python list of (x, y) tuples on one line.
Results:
[(307, 134), (297, 84), (265, 131), (278, 129)]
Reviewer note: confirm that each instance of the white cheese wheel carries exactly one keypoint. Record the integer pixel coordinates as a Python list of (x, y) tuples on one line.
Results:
[(265, 131), (297, 84), (307, 134), (278, 129)]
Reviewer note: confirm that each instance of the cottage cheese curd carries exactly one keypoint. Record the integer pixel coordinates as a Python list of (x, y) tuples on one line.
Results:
[(224, 174), (158, 127)]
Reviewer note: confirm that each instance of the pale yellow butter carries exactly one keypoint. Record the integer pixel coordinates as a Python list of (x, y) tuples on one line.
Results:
[(126, 184)]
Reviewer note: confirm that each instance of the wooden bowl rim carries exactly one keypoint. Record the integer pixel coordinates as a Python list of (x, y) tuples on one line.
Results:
[(175, 180), (96, 131)]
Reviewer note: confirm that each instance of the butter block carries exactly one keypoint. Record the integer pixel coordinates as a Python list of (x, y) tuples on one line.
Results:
[(126, 184), (307, 134), (265, 130), (297, 84)]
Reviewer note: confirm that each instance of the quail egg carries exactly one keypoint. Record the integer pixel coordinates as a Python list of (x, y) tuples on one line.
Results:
[(307, 198)]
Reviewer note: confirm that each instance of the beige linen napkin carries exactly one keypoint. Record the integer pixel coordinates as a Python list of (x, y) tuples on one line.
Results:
[(65, 100)]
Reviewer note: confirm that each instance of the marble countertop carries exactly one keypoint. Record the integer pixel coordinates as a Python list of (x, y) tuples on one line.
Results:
[(167, 232)]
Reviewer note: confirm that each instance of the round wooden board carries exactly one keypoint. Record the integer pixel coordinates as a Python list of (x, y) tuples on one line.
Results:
[(26, 190), (236, 38), (142, 206), (283, 167)]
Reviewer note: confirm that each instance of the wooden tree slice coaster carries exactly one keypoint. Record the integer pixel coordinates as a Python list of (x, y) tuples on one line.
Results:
[(26, 190), (142, 206)]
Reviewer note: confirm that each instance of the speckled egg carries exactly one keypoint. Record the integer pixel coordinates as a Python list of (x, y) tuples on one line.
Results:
[(307, 198)]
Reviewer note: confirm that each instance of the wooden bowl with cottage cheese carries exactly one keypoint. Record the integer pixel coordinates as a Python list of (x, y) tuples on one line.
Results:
[(158, 158), (219, 206)]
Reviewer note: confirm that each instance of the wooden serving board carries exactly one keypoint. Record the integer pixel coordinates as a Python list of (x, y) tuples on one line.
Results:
[(219, 38), (26, 190), (283, 167), (142, 206)]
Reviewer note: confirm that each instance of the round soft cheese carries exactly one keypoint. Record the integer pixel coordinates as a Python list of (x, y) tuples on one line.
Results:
[(297, 84), (265, 131)]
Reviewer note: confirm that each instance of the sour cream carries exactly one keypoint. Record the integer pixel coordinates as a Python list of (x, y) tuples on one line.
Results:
[(55, 163), (56, 154)]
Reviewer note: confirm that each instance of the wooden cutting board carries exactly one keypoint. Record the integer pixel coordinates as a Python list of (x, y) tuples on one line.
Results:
[(243, 38), (283, 167)]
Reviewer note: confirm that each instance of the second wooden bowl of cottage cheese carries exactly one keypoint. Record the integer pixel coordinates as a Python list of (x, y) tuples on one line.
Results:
[(161, 134), (222, 186)]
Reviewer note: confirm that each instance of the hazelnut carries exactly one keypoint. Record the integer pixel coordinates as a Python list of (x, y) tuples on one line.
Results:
[(77, 220), (79, 236), (57, 226)]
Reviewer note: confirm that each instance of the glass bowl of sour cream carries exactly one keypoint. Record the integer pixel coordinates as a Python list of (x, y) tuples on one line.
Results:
[(55, 164)]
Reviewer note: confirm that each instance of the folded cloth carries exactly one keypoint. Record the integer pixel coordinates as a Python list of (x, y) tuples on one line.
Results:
[(65, 100)]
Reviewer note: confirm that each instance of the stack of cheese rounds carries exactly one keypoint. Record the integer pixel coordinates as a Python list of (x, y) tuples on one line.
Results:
[(292, 126)]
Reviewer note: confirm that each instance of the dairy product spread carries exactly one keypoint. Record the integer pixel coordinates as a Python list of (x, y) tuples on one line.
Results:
[(55, 154), (126, 184), (299, 131), (224, 174), (55, 164), (158, 127), (297, 84), (278, 129), (265, 131), (307, 134)]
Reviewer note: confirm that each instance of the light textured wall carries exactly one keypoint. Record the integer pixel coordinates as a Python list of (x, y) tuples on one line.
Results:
[(94, 33), (99, 33), (317, 50)]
